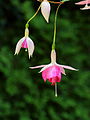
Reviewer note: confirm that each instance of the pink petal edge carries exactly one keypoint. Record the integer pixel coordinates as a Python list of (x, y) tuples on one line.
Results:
[(51, 72)]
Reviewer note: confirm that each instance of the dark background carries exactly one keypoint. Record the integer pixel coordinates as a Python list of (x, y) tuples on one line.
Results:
[(23, 93)]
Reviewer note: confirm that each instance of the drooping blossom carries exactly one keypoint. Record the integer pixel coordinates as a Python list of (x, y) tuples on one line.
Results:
[(26, 43), (84, 2), (45, 9), (53, 71)]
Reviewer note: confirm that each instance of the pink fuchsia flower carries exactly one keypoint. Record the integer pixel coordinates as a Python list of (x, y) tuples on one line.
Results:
[(45, 9), (25, 42), (53, 71), (85, 2)]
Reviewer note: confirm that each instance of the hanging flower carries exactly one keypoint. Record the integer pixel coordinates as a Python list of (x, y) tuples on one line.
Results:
[(53, 71), (25, 42), (85, 2), (45, 9)]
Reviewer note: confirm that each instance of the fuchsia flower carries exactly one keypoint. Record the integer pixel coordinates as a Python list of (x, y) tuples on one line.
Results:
[(53, 71), (45, 9), (85, 2), (25, 42)]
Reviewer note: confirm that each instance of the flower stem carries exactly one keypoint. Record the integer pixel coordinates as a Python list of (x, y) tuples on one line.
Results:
[(55, 89), (56, 2), (54, 37), (27, 24)]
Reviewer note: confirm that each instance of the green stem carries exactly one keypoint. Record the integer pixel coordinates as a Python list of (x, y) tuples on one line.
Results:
[(54, 37), (27, 24)]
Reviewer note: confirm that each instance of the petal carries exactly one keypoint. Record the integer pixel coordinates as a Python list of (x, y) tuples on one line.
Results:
[(30, 45), (68, 67), (19, 45), (24, 44), (61, 69), (45, 10), (51, 72), (83, 2), (37, 67), (54, 79), (46, 66)]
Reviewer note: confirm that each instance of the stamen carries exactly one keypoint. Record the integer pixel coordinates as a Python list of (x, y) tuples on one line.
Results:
[(55, 89)]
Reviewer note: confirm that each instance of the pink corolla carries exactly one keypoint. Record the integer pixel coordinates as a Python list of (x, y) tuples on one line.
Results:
[(84, 2), (53, 71), (26, 43)]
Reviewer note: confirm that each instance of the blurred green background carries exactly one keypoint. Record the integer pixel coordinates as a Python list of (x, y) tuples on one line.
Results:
[(23, 93)]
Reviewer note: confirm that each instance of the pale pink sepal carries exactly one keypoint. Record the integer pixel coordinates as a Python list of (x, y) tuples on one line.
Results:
[(30, 45), (19, 45), (40, 66), (83, 2), (68, 67), (85, 8), (46, 66), (62, 70), (45, 10)]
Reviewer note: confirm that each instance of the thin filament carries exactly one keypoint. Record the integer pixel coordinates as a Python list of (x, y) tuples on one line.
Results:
[(55, 89)]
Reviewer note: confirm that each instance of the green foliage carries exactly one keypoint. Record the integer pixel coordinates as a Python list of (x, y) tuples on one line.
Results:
[(23, 94)]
